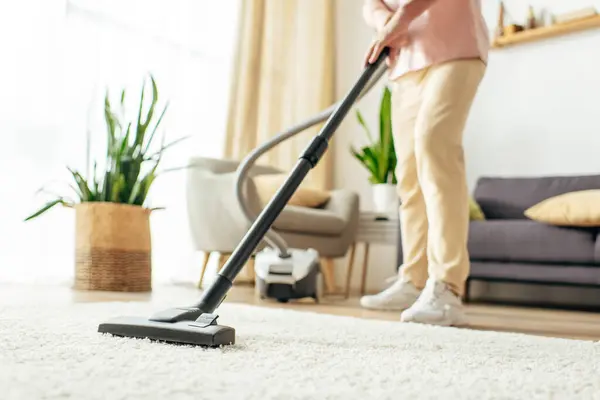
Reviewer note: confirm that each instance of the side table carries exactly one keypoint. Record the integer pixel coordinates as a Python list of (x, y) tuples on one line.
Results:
[(373, 228)]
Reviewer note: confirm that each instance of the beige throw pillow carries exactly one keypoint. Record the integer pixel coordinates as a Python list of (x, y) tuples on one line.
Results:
[(580, 209), (305, 196)]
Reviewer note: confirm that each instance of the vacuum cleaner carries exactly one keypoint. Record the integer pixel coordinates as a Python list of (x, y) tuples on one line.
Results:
[(296, 275), (196, 324)]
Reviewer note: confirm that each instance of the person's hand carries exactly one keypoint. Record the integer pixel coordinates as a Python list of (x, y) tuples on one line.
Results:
[(391, 59), (393, 35)]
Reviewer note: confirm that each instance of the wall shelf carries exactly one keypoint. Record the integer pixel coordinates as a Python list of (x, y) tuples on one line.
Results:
[(546, 32)]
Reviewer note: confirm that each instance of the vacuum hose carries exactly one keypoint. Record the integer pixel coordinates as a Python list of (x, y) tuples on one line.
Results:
[(273, 238)]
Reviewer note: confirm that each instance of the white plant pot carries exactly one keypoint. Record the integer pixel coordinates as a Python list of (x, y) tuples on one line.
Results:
[(385, 198)]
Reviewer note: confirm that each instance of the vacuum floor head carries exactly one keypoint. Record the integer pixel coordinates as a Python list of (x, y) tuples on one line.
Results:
[(181, 332)]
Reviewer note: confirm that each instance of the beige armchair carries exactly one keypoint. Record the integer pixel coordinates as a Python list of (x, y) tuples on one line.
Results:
[(218, 223)]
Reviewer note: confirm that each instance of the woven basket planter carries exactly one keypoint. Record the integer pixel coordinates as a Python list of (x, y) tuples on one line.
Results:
[(113, 248)]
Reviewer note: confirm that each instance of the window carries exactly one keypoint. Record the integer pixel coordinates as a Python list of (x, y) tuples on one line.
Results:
[(67, 53)]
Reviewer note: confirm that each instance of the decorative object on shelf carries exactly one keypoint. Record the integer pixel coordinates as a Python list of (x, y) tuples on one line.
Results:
[(563, 24), (576, 15), (113, 241), (500, 23), (511, 29), (379, 157), (531, 20), (546, 18)]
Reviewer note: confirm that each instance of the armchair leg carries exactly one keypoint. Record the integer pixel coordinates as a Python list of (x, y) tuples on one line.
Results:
[(250, 271), (222, 260), (204, 265), (363, 281), (349, 269), (246, 276), (327, 266)]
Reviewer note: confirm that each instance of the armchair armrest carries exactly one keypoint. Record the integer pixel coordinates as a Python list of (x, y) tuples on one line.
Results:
[(216, 220)]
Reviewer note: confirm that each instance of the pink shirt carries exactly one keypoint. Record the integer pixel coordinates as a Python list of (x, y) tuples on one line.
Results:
[(447, 30)]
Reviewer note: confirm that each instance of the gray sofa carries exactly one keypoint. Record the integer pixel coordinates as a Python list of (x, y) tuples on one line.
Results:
[(509, 247)]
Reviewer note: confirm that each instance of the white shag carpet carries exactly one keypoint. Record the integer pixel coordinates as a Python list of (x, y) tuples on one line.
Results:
[(51, 352)]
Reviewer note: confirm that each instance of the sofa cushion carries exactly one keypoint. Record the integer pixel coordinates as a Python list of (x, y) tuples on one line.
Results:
[(532, 272), (530, 241), (508, 198)]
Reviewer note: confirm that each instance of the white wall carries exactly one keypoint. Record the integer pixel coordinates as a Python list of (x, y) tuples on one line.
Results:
[(536, 111), (538, 103)]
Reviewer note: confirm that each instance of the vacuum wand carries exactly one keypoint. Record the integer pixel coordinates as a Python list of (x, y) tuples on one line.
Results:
[(217, 291)]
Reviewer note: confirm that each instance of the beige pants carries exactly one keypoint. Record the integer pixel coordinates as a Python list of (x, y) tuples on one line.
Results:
[(429, 111)]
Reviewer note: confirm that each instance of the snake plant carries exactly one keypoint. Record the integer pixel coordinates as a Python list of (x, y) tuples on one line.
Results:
[(379, 156), (130, 164)]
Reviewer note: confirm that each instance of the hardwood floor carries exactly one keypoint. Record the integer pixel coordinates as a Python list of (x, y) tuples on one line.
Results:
[(544, 322)]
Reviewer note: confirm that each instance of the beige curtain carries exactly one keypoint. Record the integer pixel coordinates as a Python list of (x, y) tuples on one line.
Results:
[(284, 73)]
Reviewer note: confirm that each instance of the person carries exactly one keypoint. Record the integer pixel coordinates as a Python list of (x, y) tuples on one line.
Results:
[(437, 60)]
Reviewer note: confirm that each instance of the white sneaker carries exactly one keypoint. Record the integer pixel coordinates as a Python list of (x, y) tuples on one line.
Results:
[(437, 305), (399, 296)]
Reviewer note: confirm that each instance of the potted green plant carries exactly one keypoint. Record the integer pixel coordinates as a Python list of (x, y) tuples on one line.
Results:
[(113, 241), (379, 157)]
